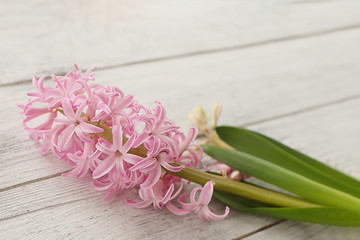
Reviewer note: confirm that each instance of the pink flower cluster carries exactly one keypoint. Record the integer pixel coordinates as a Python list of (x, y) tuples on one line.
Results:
[(69, 111)]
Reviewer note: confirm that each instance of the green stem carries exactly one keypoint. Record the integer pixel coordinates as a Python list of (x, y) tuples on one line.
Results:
[(243, 189), (220, 183)]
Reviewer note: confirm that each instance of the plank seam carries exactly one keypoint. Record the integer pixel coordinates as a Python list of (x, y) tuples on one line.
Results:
[(47, 207), (32, 181), (303, 110), (216, 50), (260, 229)]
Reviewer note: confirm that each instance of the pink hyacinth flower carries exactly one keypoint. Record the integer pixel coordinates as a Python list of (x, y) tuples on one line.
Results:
[(159, 156), (200, 205), (158, 195), (83, 161), (159, 127), (75, 124), (117, 154)]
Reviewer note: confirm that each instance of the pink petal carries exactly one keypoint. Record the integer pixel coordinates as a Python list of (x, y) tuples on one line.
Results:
[(105, 108), (206, 193), (175, 210), (99, 116), (119, 163), (73, 157), (68, 110), (66, 136), (150, 166), (160, 113), (57, 130), (128, 144), (193, 194), (35, 82), (167, 196), (83, 168), (132, 158), (117, 136), (81, 135), (46, 145), (190, 137), (87, 127), (141, 164), (58, 85), (171, 143), (155, 147), (35, 112), (211, 215), (104, 167), (142, 204), (163, 130), (80, 110), (177, 192), (63, 121), (56, 99), (104, 149), (186, 206), (99, 187), (172, 168), (152, 178), (88, 149), (141, 139), (125, 103), (144, 119)]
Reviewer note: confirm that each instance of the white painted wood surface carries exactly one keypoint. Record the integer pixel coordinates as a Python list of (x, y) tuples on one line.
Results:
[(49, 36), (288, 69)]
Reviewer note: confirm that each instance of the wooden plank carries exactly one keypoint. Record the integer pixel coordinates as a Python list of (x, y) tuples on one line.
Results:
[(70, 209), (311, 77), (298, 231), (42, 36), (34, 200), (93, 218)]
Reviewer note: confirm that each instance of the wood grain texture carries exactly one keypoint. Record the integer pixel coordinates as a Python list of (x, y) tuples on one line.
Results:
[(92, 218), (41, 36), (288, 69), (111, 219), (310, 78), (63, 208), (299, 231)]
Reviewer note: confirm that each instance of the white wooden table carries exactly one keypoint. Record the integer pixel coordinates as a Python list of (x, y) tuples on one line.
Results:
[(289, 69)]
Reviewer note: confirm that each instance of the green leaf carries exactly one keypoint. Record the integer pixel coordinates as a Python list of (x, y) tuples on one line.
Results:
[(284, 178), (270, 150), (323, 215), (315, 163)]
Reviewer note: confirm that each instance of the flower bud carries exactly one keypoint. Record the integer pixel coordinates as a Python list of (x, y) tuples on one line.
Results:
[(216, 113), (199, 117)]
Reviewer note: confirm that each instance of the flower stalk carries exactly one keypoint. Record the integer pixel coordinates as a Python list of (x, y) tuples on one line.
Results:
[(221, 183)]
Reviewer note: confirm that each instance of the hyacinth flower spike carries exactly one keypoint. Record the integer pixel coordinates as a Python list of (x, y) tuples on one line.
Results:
[(75, 124), (124, 144)]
